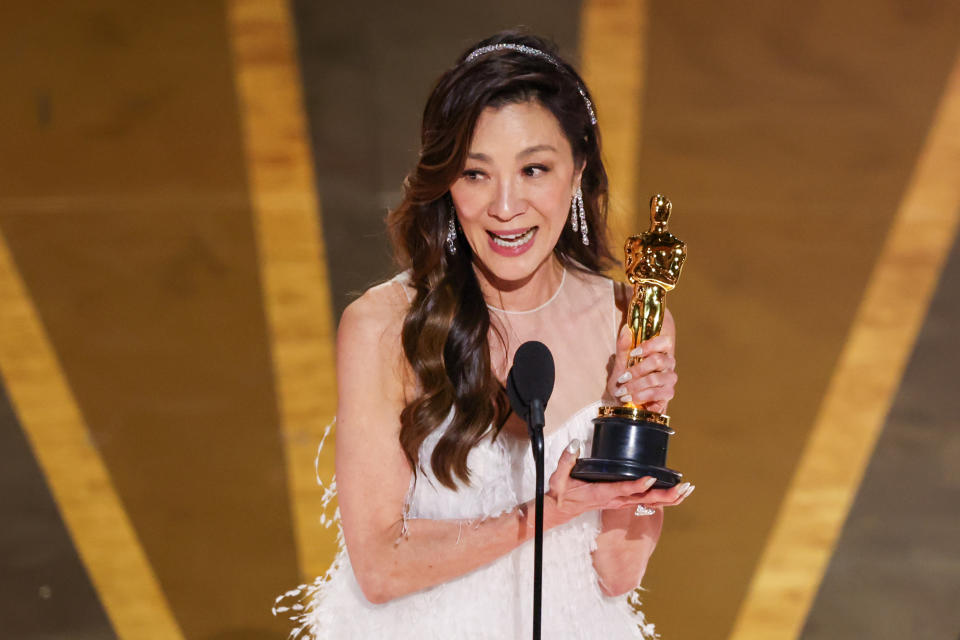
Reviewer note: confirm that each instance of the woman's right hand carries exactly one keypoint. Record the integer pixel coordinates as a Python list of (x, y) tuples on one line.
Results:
[(573, 497)]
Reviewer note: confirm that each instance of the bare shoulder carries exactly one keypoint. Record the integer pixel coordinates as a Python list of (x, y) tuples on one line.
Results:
[(377, 314), (370, 330)]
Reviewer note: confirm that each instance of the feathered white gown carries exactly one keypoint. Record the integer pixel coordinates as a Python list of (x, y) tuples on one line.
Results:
[(579, 325)]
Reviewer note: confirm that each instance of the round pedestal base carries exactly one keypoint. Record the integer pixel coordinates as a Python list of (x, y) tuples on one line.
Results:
[(600, 470), (628, 444)]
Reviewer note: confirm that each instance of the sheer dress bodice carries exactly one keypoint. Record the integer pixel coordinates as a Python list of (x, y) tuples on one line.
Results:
[(579, 325)]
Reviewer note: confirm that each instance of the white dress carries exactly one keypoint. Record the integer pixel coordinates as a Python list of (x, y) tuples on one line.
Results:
[(579, 325)]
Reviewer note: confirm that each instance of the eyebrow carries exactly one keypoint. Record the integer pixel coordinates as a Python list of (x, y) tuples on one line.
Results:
[(482, 157)]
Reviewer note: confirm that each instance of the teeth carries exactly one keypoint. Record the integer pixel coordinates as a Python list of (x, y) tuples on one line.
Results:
[(513, 240)]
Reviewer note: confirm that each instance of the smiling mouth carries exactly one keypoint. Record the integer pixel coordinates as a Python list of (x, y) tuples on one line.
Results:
[(513, 240)]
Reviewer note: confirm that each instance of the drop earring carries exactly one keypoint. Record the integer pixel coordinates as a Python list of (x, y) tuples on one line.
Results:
[(579, 211), (574, 212), (452, 234)]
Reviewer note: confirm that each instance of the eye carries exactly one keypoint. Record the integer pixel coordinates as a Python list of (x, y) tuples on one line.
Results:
[(534, 170), (472, 174)]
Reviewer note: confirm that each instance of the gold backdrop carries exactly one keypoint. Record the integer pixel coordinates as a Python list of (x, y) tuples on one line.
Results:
[(190, 193)]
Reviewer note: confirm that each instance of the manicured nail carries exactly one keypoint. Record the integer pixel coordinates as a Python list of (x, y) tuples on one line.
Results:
[(637, 353), (626, 377), (649, 483), (690, 490), (626, 398), (620, 391), (574, 446), (682, 488)]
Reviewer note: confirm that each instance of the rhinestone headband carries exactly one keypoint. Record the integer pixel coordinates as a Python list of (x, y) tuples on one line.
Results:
[(530, 51)]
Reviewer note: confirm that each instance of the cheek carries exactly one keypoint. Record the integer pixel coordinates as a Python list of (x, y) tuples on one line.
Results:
[(555, 203), (468, 199)]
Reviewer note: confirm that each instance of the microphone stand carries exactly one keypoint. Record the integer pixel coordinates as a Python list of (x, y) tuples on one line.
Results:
[(535, 428)]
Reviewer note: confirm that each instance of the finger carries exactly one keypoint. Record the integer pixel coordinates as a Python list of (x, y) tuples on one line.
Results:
[(624, 340), (657, 344), (605, 494), (653, 395), (651, 381), (632, 500), (653, 363), (643, 376), (656, 407), (628, 490), (678, 492), (561, 477), (623, 503), (619, 374), (680, 500), (655, 387), (682, 496), (667, 496)]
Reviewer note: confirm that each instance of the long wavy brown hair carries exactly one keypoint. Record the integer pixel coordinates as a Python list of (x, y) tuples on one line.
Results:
[(445, 332)]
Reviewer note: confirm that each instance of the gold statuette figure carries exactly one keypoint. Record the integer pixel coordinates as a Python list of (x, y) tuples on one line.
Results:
[(629, 441), (653, 261)]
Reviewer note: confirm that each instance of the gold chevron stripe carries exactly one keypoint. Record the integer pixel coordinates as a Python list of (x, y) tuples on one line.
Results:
[(612, 41), (291, 253), (78, 478), (862, 387)]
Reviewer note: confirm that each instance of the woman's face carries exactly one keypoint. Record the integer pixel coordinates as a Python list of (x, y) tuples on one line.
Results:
[(513, 197)]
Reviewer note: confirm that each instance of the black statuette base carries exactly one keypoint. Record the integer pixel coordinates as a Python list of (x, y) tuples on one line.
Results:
[(627, 449)]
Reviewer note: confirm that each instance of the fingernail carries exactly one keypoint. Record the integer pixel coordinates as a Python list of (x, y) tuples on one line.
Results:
[(649, 483), (625, 377), (626, 398), (637, 353), (620, 391), (574, 446), (682, 488), (690, 490)]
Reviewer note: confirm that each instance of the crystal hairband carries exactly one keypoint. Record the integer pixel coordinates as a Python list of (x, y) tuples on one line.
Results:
[(530, 51)]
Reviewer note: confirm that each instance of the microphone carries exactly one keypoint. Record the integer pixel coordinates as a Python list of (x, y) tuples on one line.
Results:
[(529, 386), (530, 381)]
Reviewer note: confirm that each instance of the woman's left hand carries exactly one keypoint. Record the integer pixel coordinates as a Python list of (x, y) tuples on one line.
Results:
[(650, 383)]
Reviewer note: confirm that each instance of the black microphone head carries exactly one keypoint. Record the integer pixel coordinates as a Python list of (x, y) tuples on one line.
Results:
[(531, 377), (518, 405)]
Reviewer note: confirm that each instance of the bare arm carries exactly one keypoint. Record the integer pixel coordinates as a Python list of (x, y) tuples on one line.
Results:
[(626, 541), (373, 473)]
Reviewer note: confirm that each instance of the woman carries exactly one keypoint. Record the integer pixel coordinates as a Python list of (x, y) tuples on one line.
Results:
[(502, 232)]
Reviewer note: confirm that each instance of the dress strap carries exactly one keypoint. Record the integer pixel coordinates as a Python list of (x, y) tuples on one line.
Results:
[(402, 280)]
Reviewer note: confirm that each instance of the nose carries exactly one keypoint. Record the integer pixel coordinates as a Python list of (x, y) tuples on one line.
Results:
[(509, 202)]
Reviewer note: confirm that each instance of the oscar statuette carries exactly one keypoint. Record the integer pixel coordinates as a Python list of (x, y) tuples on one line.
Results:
[(630, 442)]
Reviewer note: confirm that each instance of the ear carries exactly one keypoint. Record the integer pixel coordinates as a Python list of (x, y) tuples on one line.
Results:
[(578, 176)]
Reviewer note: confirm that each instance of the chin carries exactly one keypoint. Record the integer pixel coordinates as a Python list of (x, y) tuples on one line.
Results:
[(510, 270)]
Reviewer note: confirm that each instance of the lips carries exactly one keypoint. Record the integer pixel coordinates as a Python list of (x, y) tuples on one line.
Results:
[(513, 239), (512, 242)]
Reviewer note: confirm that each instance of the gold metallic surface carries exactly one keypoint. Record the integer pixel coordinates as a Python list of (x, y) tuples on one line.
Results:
[(634, 413), (653, 261)]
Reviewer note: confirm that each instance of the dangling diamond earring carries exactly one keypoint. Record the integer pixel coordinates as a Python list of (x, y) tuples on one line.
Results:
[(579, 211), (452, 235), (574, 210)]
